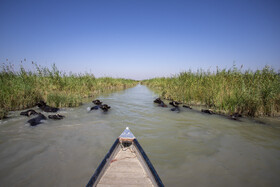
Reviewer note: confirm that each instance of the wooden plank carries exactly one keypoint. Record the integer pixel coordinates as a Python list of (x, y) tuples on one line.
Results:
[(124, 185), (127, 175), (126, 181), (125, 170)]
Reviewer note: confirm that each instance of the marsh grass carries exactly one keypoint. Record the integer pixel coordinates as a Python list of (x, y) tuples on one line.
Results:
[(23, 89), (251, 93)]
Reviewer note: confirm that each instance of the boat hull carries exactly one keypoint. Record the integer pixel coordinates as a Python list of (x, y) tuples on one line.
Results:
[(126, 163)]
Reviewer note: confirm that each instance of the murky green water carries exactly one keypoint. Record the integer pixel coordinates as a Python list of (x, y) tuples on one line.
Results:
[(186, 148)]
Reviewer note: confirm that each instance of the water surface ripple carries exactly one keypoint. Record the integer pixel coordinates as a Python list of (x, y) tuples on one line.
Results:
[(186, 148)]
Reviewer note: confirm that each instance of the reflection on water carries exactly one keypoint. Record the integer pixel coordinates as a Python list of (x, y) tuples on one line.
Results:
[(186, 148)]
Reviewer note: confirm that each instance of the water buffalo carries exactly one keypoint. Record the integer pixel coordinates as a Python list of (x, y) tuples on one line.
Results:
[(176, 108), (186, 106), (97, 102), (157, 100), (160, 102), (56, 117), (43, 106), (207, 111), (28, 113), (37, 120), (174, 103), (105, 107), (93, 108), (235, 116)]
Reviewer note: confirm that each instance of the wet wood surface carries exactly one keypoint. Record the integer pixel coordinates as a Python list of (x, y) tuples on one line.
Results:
[(125, 170)]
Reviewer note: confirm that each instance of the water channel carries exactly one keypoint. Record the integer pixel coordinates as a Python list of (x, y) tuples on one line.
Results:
[(187, 148)]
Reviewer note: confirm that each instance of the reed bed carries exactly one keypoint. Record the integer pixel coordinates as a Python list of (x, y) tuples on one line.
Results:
[(23, 89), (251, 93)]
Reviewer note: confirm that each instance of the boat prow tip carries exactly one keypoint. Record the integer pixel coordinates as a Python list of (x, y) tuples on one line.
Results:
[(127, 134)]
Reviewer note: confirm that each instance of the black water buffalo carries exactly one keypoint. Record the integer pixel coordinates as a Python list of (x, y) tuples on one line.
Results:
[(176, 109), (176, 106), (97, 102), (93, 108), (160, 102), (207, 111), (157, 100), (37, 120), (28, 113), (235, 116), (186, 106), (56, 117), (43, 106), (174, 103), (105, 107)]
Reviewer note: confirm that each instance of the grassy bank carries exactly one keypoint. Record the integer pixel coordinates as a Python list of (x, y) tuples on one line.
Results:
[(251, 93), (23, 89)]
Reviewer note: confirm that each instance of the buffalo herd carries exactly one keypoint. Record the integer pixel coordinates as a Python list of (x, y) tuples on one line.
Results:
[(176, 108), (104, 107), (98, 104), (39, 116)]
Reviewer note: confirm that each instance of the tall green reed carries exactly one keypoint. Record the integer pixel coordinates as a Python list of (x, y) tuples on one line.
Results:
[(23, 89), (252, 93)]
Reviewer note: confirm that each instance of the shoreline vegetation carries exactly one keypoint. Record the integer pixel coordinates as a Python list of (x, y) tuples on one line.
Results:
[(250, 93), (24, 89), (246, 92)]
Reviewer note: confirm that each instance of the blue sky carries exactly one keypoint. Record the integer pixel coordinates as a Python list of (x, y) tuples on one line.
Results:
[(140, 39)]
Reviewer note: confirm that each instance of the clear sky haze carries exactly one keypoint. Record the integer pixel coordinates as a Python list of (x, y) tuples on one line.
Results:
[(140, 39)]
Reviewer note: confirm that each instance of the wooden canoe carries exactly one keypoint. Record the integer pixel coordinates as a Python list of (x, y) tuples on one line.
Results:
[(126, 164)]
